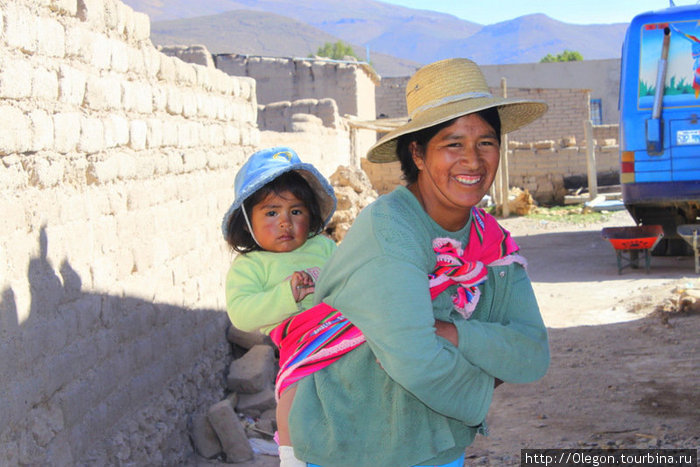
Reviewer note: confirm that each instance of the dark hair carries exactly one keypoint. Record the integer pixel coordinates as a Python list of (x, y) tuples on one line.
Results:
[(237, 233), (422, 137)]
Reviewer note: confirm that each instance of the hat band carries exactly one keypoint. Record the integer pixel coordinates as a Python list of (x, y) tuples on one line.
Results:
[(448, 100)]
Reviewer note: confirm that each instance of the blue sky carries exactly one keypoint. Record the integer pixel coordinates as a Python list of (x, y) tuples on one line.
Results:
[(569, 11)]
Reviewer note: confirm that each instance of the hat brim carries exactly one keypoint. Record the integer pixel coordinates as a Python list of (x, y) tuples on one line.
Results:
[(514, 114)]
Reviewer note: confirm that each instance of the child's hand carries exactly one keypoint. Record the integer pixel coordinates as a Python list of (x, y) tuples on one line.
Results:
[(302, 285)]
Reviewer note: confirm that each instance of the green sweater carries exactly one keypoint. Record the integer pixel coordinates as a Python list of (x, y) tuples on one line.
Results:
[(428, 399), (258, 292)]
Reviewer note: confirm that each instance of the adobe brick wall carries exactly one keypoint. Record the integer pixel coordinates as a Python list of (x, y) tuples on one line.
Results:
[(116, 165), (567, 112), (312, 126), (350, 84), (544, 171), (391, 98)]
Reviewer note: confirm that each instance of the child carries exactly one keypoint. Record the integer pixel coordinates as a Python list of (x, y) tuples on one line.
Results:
[(280, 207)]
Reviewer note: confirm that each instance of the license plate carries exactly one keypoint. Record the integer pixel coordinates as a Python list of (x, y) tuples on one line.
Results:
[(685, 137)]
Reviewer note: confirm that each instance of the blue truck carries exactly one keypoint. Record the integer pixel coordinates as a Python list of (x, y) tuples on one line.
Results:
[(660, 122)]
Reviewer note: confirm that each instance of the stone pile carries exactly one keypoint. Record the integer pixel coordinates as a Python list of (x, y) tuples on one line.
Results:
[(241, 426), (354, 191)]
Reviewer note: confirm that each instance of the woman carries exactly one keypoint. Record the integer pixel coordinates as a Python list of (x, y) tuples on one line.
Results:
[(419, 392)]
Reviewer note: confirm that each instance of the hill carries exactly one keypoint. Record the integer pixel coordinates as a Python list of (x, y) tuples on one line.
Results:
[(259, 33), (529, 38), (399, 39)]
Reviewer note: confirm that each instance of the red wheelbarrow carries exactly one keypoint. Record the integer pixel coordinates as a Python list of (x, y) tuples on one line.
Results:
[(691, 234), (628, 242)]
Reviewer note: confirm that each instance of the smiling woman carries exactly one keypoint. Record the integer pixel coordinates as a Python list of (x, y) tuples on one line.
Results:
[(436, 286)]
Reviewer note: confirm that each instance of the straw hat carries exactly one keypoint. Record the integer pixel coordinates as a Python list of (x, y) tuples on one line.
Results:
[(448, 89)]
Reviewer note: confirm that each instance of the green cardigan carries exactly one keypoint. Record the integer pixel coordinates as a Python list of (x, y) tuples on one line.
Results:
[(258, 291), (409, 397)]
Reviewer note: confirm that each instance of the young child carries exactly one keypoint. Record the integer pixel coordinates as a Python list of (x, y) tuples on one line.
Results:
[(280, 207)]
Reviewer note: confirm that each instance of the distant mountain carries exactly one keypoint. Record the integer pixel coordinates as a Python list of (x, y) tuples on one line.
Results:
[(243, 32), (399, 39), (529, 38), (267, 34)]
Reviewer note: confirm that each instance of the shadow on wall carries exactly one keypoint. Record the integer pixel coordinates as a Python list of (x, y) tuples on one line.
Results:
[(89, 377)]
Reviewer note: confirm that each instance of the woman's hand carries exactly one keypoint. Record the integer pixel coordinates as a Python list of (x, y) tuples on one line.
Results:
[(302, 285), (447, 331)]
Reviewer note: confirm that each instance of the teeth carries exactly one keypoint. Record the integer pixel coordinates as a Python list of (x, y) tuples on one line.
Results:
[(464, 180)]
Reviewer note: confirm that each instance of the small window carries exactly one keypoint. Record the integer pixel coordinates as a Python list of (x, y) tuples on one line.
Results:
[(597, 111)]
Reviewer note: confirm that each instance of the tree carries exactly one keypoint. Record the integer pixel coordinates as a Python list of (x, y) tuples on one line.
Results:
[(336, 51), (565, 56)]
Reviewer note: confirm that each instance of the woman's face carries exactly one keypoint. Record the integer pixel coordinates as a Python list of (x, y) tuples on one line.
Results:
[(456, 170), (280, 222)]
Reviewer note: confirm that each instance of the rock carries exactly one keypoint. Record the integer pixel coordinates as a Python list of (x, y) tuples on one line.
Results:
[(354, 191), (255, 404), (354, 178), (545, 144), (245, 339), (520, 202), (347, 199), (204, 438), (230, 432), (268, 419), (265, 426), (253, 372), (269, 414), (518, 145), (568, 141)]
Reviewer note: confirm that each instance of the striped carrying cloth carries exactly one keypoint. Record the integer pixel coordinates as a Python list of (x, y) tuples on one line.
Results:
[(310, 341), (321, 335)]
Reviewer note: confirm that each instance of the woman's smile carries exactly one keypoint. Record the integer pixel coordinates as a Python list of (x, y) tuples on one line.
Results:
[(467, 179)]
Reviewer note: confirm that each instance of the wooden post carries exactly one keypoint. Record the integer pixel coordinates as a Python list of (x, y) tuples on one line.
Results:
[(494, 191), (590, 161), (354, 159), (503, 166)]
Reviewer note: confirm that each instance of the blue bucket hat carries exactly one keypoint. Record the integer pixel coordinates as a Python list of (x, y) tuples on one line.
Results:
[(264, 166)]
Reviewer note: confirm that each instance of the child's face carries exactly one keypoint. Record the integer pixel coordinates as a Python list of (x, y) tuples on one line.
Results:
[(280, 222)]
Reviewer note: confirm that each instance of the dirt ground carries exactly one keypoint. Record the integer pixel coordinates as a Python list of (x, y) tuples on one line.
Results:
[(625, 369)]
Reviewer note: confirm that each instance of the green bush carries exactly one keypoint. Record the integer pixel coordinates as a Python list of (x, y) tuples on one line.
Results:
[(565, 56), (336, 51)]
